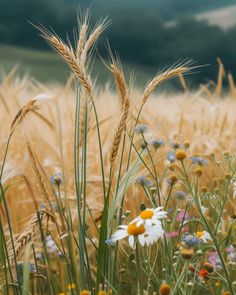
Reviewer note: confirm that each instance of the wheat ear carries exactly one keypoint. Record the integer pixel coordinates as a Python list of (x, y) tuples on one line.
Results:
[(68, 54), (120, 82), (28, 233), (232, 86), (92, 39), (122, 88), (30, 106), (183, 83), (160, 78), (119, 132), (218, 89), (82, 38), (41, 183)]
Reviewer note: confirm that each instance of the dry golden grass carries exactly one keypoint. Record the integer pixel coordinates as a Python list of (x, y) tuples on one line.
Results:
[(207, 124)]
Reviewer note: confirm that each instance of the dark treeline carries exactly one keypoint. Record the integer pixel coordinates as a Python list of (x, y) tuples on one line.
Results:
[(138, 32)]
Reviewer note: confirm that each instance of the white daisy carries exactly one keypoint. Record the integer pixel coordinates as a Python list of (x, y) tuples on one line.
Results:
[(145, 235), (204, 236), (150, 216)]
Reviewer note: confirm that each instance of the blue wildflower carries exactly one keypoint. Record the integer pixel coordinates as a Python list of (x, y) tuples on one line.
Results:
[(42, 206), (198, 160), (190, 240), (56, 179), (157, 143), (54, 206), (180, 195), (140, 129), (143, 181), (171, 156)]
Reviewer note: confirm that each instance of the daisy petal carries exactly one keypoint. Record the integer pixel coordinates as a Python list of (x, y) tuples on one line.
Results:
[(131, 242)]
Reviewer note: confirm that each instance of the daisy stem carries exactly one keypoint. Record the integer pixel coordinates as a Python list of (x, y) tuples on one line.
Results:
[(138, 270), (222, 209), (155, 173), (168, 197), (180, 279)]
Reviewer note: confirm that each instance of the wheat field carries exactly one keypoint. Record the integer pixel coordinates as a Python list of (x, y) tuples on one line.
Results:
[(79, 160)]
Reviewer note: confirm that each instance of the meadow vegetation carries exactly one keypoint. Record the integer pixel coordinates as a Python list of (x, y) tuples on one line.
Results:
[(116, 190)]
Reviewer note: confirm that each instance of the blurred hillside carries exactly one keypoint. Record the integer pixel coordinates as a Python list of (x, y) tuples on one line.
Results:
[(166, 9), (138, 32)]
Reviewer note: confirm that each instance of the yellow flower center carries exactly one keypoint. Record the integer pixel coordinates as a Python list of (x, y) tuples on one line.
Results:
[(180, 155), (71, 286), (199, 234), (135, 230), (147, 214)]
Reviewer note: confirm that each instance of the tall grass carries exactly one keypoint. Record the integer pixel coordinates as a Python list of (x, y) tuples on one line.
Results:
[(79, 162)]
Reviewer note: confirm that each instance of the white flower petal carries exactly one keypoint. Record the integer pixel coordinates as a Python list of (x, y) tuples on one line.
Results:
[(148, 222), (141, 239), (158, 209), (119, 235), (123, 227), (131, 242), (135, 219), (205, 237)]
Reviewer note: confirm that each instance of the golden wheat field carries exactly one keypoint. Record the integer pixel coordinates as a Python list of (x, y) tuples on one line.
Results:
[(79, 162), (206, 122)]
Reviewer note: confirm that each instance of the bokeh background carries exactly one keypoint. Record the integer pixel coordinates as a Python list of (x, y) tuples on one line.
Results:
[(148, 35)]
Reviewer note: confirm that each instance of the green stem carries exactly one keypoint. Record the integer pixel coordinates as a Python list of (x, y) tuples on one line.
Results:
[(180, 279), (138, 270), (222, 209)]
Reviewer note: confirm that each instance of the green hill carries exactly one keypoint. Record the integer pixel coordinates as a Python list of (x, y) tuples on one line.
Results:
[(48, 67)]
